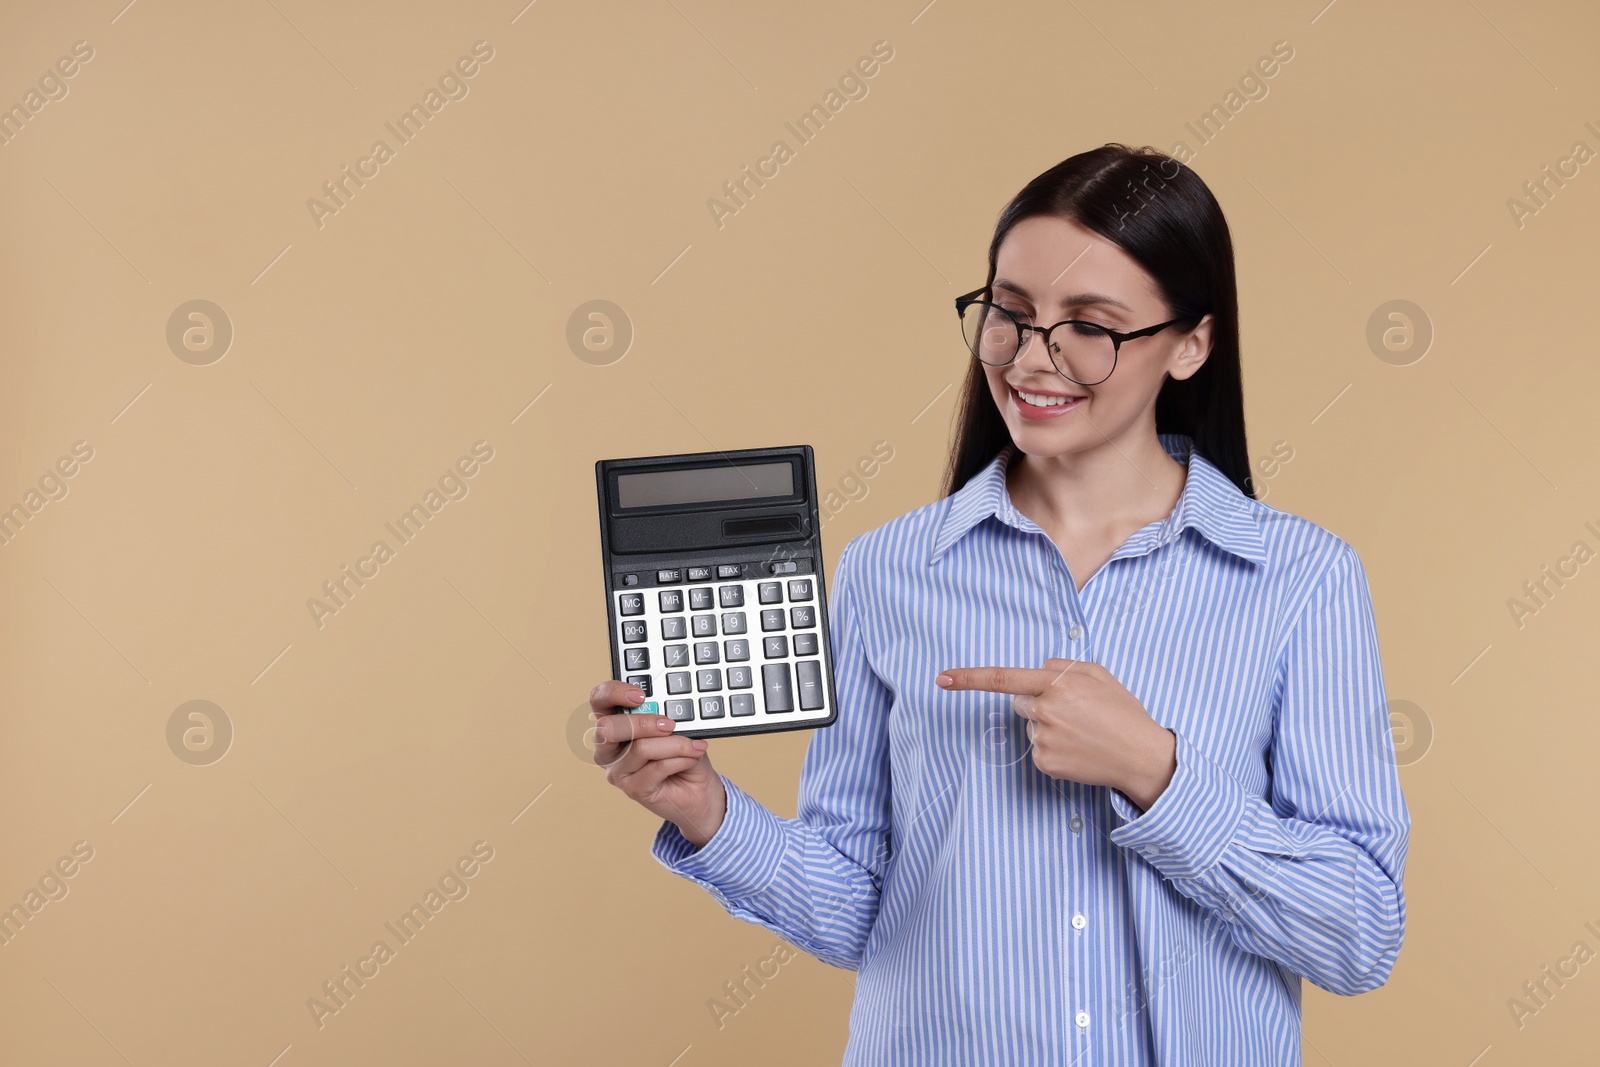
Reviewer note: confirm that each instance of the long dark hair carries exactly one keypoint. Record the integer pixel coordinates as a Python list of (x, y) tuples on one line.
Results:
[(1160, 213)]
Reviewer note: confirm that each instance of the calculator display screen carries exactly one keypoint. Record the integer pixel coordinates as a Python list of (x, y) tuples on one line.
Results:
[(697, 485)]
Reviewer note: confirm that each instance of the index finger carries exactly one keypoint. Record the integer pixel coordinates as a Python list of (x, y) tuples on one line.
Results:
[(618, 721), (1021, 681)]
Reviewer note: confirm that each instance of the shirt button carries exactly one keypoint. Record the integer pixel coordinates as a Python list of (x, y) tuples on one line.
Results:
[(1076, 824), (1075, 633), (1082, 1019), (1079, 922), (1152, 849)]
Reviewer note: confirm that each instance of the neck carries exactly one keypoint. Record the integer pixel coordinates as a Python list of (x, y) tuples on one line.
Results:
[(1129, 481)]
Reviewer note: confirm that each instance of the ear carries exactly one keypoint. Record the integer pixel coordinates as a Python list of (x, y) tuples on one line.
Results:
[(1192, 353)]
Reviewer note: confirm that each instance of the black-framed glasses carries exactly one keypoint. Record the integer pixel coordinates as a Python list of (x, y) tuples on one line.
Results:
[(1082, 352)]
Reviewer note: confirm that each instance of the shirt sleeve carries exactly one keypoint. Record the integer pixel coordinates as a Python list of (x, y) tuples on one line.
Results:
[(1313, 877), (814, 879)]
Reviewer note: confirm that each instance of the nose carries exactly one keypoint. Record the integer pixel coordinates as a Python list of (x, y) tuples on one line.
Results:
[(1034, 354)]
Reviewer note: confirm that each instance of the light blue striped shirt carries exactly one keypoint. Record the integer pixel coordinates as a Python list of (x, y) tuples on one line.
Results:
[(996, 915)]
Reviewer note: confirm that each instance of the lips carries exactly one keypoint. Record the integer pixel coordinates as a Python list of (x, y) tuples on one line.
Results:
[(1032, 411)]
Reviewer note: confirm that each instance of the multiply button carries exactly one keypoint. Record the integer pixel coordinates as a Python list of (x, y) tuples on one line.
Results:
[(775, 647)]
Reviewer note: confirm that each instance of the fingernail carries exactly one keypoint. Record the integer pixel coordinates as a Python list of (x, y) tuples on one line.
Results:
[(664, 724), (636, 692), (945, 680), (699, 745)]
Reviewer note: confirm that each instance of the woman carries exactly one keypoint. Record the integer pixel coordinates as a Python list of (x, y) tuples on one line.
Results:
[(1112, 769)]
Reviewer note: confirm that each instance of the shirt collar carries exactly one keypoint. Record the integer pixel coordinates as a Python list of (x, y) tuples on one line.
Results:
[(1210, 502)]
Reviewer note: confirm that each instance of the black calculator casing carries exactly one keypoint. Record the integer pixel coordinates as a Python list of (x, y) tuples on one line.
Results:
[(756, 535)]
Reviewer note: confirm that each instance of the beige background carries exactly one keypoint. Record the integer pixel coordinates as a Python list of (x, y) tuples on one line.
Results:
[(426, 315)]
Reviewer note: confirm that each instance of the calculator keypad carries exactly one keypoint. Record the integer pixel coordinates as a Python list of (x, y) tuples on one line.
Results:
[(692, 643)]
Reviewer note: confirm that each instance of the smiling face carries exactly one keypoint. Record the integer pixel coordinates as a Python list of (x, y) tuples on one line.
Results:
[(1049, 269)]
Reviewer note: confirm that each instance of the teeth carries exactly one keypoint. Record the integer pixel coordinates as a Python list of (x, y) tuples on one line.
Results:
[(1040, 400)]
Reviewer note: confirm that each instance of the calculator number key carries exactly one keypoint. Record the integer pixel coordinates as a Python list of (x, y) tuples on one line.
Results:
[(675, 628), (705, 652), (675, 656)]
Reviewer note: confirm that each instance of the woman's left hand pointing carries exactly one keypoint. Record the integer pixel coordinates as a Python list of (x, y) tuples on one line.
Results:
[(1082, 724)]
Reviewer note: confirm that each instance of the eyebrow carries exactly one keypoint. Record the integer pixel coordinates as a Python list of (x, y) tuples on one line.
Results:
[(1072, 300)]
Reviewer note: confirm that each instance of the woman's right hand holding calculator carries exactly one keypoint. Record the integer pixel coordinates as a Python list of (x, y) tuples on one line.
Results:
[(669, 775)]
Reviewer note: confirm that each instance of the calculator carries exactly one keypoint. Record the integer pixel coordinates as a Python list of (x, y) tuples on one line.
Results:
[(715, 593)]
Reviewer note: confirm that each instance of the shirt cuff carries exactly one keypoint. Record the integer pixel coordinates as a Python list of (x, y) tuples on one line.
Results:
[(1190, 825), (742, 857)]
